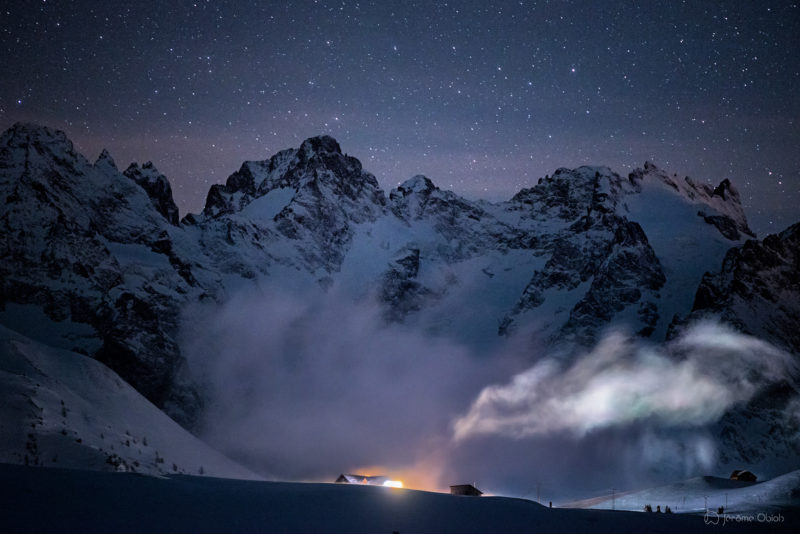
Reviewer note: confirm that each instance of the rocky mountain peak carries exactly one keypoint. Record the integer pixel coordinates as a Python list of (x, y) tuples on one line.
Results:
[(320, 164), (725, 189), (320, 143), (317, 170), (720, 206), (157, 188), (104, 160), (28, 143), (573, 193), (29, 131), (419, 184)]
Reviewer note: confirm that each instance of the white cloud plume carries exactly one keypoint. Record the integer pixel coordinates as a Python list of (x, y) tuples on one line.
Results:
[(690, 382)]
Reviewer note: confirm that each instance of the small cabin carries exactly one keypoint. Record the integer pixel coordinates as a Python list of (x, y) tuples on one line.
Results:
[(465, 489), (368, 480), (743, 476)]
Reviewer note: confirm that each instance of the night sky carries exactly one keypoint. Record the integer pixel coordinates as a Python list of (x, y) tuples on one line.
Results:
[(483, 97)]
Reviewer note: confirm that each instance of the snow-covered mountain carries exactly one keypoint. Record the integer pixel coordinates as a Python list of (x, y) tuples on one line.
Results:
[(568, 254), (96, 261), (88, 263), (64, 409), (757, 289)]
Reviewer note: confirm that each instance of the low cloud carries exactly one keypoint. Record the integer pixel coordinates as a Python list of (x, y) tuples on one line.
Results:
[(307, 388), (304, 387), (622, 381)]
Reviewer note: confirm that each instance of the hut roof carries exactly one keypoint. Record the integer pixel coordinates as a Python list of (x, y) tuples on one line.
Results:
[(372, 480)]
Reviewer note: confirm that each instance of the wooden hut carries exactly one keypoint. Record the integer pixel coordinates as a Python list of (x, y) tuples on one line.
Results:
[(465, 489), (742, 475)]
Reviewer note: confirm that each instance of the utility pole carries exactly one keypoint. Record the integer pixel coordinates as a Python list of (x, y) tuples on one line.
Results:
[(613, 498), (537, 494)]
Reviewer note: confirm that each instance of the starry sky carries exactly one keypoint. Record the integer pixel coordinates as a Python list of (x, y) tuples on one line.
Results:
[(482, 97)]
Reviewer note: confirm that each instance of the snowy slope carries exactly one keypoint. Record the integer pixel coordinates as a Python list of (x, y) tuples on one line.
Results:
[(693, 495), (668, 210), (77, 501), (63, 409), (87, 245)]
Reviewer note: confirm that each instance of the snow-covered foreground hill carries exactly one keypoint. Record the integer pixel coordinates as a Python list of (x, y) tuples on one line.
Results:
[(63, 409), (60, 500), (693, 495)]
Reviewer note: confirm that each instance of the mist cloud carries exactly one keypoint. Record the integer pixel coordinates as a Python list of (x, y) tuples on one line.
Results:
[(309, 387), (304, 387), (622, 381)]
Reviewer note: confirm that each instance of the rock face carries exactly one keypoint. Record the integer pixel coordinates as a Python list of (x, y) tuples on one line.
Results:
[(156, 186), (401, 291), (87, 263), (757, 290), (95, 260), (594, 247), (310, 198)]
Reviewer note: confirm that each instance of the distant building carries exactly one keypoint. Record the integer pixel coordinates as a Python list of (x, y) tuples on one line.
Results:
[(743, 476), (465, 489), (362, 479)]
